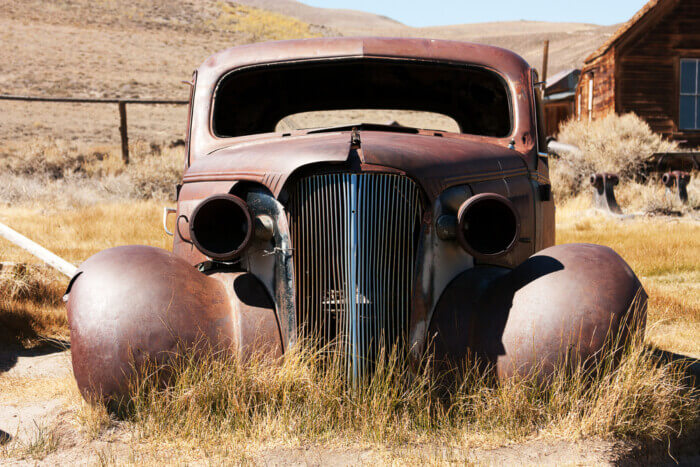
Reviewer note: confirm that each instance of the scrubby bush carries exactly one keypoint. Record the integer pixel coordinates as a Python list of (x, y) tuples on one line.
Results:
[(616, 143)]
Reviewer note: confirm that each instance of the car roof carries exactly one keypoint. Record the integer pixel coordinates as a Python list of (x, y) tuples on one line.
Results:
[(503, 60), (513, 68)]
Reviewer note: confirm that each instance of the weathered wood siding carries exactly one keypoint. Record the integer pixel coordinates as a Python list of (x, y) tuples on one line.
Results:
[(602, 72), (555, 113), (647, 77)]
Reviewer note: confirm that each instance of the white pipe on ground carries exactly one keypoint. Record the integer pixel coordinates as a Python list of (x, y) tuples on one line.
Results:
[(37, 250)]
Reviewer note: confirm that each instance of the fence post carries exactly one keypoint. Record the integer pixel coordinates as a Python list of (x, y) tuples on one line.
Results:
[(122, 132)]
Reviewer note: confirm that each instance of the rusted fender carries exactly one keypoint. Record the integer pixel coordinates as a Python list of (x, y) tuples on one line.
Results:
[(564, 302), (133, 304)]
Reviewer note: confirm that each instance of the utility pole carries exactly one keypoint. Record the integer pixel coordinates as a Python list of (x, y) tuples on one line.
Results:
[(545, 59)]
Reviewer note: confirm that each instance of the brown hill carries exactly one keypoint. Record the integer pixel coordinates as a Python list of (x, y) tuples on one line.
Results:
[(570, 43), (130, 48), (143, 49)]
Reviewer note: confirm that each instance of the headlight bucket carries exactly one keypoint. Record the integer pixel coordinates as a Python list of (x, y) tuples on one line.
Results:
[(221, 227), (488, 225)]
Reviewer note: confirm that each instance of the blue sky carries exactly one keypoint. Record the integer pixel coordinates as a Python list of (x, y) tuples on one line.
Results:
[(441, 12)]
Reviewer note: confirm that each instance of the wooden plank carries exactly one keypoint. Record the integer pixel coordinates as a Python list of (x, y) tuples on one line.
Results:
[(648, 71)]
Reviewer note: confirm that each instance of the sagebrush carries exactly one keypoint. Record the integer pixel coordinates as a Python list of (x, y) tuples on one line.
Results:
[(622, 144)]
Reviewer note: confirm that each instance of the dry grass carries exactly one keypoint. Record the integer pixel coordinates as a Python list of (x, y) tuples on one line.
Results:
[(261, 25), (42, 442), (229, 409), (664, 252), (226, 408), (75, 201), (223, 405), (31, 308), (64, 174)]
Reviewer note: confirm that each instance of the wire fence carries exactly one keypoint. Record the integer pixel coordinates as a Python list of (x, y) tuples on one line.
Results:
[(121, 103)]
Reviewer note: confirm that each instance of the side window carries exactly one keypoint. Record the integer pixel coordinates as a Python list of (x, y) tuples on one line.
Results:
[(689, 113)]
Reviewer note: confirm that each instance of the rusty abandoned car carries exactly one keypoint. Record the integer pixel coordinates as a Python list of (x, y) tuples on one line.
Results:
[(356, 234)]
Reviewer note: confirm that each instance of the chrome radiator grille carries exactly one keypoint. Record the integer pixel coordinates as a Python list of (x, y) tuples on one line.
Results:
[(354, 239)]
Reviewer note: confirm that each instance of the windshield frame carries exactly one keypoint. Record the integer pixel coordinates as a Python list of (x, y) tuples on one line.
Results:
[(502, 79)]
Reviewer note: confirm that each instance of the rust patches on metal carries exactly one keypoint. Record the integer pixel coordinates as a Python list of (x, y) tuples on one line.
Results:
[(512, 68), (135, 305), (565, 302), (283, 253)]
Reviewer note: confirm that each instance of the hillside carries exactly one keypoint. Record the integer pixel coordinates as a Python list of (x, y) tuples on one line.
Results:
[(130, 48), (347, 22), (570, 43), (144, 49)]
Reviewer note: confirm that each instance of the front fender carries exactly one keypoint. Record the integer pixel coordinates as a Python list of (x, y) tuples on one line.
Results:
[(563, 303), (133, 304)]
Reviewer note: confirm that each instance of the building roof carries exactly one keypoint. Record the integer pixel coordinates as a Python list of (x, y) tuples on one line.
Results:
[(644, 12), (563, 81)]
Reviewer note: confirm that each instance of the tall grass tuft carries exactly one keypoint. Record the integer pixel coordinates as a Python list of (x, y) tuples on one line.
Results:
[(30, 302), (303, 399)]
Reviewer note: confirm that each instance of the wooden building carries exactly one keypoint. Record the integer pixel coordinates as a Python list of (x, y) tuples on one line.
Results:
[(650, 66), (559, 99)]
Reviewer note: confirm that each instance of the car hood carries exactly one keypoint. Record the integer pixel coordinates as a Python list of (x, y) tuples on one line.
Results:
[(435, 161)]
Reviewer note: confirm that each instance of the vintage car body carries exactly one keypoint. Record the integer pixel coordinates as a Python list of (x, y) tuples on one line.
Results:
[(361, 235)]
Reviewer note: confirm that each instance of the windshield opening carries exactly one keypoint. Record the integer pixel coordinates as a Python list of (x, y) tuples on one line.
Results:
[(399, 118), (255, 100)]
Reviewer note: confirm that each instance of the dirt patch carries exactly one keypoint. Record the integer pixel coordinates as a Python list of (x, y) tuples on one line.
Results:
[(532, 453), (45, 362)]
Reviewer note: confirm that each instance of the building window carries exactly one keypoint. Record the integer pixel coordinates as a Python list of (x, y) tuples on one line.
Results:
[(689, 115)]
